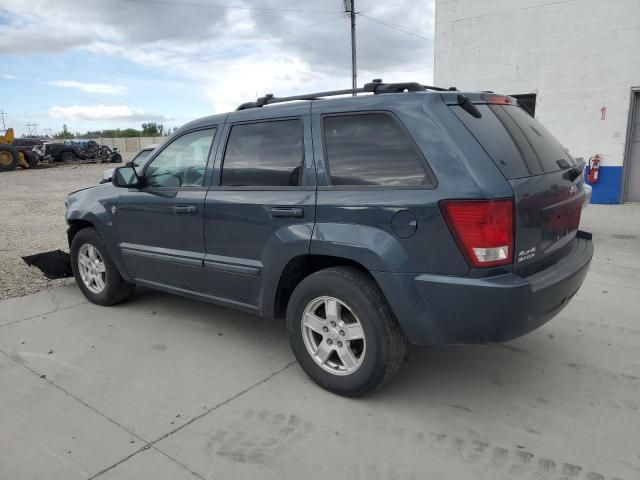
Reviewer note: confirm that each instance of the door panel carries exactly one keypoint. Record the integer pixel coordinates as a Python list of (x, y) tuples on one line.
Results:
[(262, 213), (633, 161), (246, 244), (158, 242), (160, 226)]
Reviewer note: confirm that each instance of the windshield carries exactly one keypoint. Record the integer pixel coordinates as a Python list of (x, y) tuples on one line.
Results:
[(140, 158)]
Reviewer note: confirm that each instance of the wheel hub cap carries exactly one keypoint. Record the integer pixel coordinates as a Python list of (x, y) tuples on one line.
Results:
[(91, 268), (333, 336), (5, 158)]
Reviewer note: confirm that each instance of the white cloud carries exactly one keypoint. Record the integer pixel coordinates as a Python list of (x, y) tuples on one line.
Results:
[(227, 56), (90, 87), (105, 112), (8, 76)]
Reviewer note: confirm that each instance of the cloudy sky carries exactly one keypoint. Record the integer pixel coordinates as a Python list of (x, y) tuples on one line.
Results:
[(95, 64)]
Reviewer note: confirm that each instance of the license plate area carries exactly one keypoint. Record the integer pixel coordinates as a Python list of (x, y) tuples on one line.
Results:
[(560, 222)]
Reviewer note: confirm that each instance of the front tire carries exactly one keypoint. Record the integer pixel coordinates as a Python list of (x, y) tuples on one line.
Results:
[(8, 158), (95, 272), (343, 332)]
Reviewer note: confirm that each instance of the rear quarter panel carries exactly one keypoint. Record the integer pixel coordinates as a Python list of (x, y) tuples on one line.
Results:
[(355, 222)]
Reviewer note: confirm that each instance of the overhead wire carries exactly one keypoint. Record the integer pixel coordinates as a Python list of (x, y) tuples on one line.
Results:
[(227, 7), (396, 27)]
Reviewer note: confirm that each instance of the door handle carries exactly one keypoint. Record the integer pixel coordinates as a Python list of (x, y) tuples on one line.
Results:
[(284, 212), (185, 209)]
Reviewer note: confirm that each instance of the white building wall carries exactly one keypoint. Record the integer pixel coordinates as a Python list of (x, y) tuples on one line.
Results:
[(578, 56)]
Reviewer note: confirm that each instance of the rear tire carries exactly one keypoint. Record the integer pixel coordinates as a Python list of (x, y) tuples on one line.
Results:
[(95, 272), (28, 160), (32, 159), (68, 156), (8, 158), (361, 312)]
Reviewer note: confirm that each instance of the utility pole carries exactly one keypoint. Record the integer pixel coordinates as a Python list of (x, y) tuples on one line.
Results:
[(35, 128), (350, 8), (3, 114)]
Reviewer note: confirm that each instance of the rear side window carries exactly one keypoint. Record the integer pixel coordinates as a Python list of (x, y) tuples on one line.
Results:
[(372, 149), (264, 154), (518, 144)]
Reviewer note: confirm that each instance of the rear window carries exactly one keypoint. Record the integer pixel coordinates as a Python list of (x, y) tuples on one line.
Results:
[(371, 149), (518, 144)]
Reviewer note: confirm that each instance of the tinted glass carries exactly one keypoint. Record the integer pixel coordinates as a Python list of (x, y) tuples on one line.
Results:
[(371, 149), (518, 144), (183, 162), (264, 154), (140, 158)]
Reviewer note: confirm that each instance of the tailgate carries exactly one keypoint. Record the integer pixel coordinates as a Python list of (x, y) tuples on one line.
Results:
[(547, 183), (547, 216)]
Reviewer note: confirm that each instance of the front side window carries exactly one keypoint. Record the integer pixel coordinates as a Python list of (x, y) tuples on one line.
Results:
[(183, 162), (140, 157), (371, 149), (264, 154)]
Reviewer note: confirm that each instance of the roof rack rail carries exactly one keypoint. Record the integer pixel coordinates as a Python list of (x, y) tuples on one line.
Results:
[(376, 87)]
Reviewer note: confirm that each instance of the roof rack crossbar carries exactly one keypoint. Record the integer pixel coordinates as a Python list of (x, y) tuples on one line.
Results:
[(376, 87)]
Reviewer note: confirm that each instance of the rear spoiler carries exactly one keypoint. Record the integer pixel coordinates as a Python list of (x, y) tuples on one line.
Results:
[(468, 101), (453, 98)]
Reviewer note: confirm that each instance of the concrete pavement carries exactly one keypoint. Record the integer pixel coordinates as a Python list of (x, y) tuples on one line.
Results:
[(166, 387)]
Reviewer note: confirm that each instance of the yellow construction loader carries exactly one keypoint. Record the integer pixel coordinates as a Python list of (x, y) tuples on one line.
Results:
[(10, 157)]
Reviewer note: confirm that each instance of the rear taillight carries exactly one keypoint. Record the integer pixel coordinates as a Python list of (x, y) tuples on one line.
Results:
[(483, 230)]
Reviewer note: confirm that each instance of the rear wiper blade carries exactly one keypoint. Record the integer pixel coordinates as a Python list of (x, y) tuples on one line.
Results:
[(468, 106)]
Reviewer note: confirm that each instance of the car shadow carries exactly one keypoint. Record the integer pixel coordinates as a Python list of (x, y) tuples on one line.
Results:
[(523, 370)]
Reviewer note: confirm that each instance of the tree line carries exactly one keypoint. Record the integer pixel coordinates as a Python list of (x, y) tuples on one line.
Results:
[(150, 129)]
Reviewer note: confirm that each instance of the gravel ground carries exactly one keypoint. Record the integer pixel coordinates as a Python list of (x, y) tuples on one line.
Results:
[(32, 221)]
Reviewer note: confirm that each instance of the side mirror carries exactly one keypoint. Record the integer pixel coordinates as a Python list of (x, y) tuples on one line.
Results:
[(125, 177)]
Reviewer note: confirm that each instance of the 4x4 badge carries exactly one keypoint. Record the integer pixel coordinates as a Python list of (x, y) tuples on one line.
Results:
[(527, 254)]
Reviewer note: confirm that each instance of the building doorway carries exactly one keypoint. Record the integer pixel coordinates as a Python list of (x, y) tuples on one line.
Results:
[(632, 160)]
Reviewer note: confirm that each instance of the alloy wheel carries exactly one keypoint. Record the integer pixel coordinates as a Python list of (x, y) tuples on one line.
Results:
[(92, 268), (333, 335)]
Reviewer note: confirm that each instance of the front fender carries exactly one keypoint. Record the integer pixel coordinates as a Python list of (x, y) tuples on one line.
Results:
[(93, 205)]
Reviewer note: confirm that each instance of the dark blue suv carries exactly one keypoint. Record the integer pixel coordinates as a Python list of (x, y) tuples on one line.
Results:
[(411, 213)]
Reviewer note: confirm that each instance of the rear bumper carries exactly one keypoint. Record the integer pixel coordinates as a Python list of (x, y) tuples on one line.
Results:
[(439, 309)]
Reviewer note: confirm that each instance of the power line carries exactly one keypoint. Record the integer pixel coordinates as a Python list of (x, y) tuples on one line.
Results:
[(396, 27), (226, 7), (387, 5), (35, 128)]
